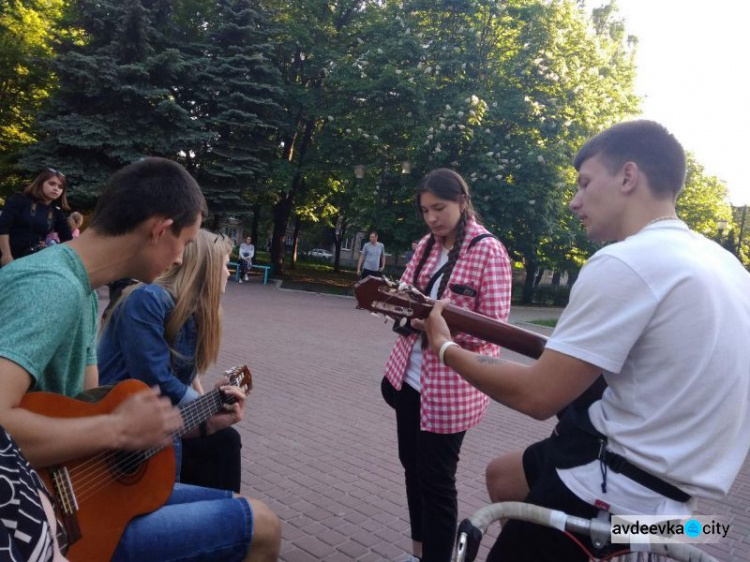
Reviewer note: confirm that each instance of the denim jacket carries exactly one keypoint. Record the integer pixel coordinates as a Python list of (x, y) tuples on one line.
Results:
[(133, 345)]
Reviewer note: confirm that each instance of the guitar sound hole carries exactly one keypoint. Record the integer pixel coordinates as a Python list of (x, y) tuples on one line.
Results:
[(127, 466)]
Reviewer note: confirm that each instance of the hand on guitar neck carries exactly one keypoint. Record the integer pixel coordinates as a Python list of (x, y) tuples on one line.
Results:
[(231, 411)]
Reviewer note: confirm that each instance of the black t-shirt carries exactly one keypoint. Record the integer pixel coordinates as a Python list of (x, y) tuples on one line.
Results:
[(24, 531)]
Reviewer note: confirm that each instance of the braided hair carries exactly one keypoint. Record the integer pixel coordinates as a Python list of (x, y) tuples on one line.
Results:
[(445, 184)]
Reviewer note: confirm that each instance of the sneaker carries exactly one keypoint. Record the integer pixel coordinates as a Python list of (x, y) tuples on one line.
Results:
[(240, 281), (408, 558), (247, 278)]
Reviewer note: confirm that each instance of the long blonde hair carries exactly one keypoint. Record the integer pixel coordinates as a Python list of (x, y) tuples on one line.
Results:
[(196, 286)]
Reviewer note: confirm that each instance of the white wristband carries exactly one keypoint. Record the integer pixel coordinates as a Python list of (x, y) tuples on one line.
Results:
[(441, 353)]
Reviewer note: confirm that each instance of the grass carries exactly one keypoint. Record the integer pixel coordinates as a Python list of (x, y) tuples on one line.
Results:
[(319, 277), (320, 280), (550, 322)]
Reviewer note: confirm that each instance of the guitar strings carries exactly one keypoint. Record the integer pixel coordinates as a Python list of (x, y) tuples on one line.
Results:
[(199, 411), (99, 474), (95, 473), (95, 479)]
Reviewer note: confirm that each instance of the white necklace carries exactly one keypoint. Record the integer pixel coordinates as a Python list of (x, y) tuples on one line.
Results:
[(664, 218)]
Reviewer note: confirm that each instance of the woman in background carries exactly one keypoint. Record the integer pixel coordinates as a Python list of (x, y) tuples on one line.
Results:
[(247, 253), (459, 260), (167, 333), (30, 216)]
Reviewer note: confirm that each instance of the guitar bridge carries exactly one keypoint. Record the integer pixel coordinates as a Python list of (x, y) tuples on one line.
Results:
[(66, 503), (393, 309)]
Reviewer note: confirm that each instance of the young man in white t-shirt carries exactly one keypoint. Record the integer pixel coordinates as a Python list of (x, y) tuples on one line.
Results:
[(664, 314)]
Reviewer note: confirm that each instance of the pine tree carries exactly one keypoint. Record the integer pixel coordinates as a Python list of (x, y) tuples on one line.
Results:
[(117, 98), (238, 95)]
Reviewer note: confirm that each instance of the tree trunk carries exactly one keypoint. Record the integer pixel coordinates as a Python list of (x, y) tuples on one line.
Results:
[(528, 284), (538, 278), (215, 222), (256, 222), (283, 209), (556, 276), (295, 241), (337, 241), (281, 213)]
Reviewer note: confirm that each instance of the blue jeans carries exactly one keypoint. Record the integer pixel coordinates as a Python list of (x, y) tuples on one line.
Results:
[(196, 524)]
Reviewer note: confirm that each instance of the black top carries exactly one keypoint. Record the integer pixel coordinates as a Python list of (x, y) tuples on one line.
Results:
[(28, 223)]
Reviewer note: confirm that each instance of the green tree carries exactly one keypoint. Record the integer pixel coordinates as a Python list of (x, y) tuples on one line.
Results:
[(703, 201), (503, 93), (117, 96), (238, 93), (26, 78), (314, 37)]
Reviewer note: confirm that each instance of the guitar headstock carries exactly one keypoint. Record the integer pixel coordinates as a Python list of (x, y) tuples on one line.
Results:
[(395, 300), (241, 377)]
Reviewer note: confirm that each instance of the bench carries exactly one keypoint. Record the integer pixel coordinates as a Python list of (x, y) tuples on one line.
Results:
[(236, 266), (265, 268)]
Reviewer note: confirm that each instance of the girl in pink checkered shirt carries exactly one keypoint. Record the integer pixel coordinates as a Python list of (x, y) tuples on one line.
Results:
[(462, 261)]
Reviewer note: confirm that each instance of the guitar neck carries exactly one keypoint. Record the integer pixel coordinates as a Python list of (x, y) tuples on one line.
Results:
[(494, 331), (199, 410)]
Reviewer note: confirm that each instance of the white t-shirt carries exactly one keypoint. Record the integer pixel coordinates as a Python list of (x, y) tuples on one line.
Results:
[(414, 370), (666, 315)]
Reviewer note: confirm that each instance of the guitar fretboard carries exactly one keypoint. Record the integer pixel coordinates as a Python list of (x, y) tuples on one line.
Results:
[(193, 414), (199, 410)]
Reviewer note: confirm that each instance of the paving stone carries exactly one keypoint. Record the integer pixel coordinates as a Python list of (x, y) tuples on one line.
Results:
[(319, 443)]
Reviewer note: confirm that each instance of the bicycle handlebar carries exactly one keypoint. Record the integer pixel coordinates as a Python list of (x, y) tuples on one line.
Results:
[(471, 530)]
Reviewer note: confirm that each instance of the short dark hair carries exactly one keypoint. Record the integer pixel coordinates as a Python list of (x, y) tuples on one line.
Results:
[(36, 188), (147, 188), (650, 145)]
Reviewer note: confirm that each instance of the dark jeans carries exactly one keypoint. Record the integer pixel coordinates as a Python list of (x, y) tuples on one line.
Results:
[(213, 461), (372, 272), (430, 461), (245, 264)]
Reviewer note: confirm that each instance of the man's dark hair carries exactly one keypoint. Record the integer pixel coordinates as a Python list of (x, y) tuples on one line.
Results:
[(654, 149), (150, 187)]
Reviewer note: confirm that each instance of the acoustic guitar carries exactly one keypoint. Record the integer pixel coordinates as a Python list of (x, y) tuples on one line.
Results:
[(97, 496), (402, 302)]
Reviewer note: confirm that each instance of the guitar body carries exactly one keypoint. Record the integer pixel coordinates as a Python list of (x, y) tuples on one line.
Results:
[(108, 491)]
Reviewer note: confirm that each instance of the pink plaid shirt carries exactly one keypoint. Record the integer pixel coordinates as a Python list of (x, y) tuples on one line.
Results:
[(449, 404)]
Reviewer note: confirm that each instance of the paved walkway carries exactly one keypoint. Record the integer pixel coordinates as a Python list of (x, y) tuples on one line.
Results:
[(319, 442)]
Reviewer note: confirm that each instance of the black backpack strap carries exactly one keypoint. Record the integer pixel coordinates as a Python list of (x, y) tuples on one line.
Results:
[(434, 278), (479, 238), (440, 271)]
